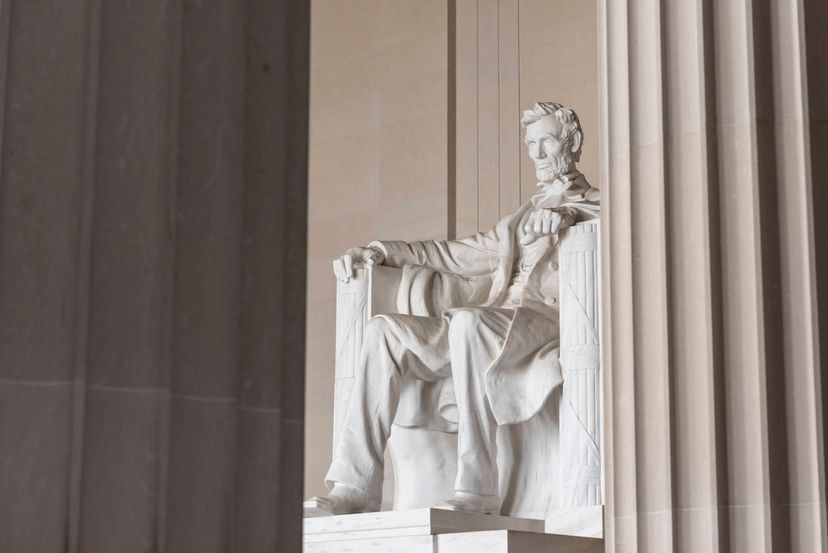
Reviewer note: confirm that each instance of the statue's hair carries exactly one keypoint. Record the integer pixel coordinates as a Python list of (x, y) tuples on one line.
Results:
[(570, 125)]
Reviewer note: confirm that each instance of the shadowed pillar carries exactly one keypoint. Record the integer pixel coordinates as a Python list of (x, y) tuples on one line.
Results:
[(152, 275)]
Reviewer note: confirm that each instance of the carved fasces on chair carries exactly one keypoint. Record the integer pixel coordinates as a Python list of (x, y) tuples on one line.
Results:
[(580, 414), (371, 291)]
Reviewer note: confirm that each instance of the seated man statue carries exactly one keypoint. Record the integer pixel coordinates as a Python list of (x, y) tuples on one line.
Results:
[(500, 350)]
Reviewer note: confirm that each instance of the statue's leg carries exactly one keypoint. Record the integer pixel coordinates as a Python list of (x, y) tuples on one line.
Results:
[(393, 346), (476, 336)]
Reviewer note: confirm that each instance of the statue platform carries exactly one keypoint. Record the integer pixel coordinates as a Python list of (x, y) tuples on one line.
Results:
[(437, 531)]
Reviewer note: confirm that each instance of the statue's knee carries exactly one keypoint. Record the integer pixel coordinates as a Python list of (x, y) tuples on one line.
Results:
[(377, 329), (464, 322)]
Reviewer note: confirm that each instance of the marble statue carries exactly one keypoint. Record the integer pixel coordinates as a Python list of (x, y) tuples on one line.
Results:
[(473, 344)]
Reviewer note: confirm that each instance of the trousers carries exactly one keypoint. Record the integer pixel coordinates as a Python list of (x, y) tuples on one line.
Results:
[(461, 345)]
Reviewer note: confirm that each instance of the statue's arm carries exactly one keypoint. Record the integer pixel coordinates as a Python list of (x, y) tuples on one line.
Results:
[(472, 256), (476, 255)]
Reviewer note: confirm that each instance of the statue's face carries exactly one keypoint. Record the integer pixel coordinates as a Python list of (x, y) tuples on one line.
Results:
[(550, 155)]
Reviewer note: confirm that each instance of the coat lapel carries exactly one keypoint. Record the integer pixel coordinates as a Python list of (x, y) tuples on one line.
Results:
[(507, 242)]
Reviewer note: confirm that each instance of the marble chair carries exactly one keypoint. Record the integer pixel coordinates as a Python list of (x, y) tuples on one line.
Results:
[(550, 466)]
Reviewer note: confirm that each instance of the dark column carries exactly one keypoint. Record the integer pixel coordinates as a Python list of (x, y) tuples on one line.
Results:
[(152, 275)]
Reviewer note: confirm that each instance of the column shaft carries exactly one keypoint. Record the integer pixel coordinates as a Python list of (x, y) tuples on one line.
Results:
[(713, 387), (153, 185)]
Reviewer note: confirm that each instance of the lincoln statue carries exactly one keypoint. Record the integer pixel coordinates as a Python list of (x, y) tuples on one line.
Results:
[(498, 355)]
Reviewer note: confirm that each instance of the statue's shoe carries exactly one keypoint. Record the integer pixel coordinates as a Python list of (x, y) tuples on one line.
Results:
[(344, 499), (472, 503)]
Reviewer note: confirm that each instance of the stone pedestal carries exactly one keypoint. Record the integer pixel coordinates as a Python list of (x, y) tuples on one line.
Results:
[(437, 531)]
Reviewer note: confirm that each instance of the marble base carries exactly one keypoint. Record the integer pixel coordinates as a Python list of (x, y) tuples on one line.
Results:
[(415, 522), (437, 531), (508, 541), (577, 521)]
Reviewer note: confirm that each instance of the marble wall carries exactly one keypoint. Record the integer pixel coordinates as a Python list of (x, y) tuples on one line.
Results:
[(378, 160), (415, 133)]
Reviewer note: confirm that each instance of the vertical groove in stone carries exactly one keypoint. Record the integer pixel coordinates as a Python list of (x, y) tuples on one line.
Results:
[(206, 322), (509, 104), (649, 277), (815, 21), (744, 415), (605, 375), (91, 56), (451, 120), (42, 68), (294, 124), (173, 126), (268, 503), (799, 499), (772, 317), (488, 106), (689, 180), (741, 248), (719, 513), (5, 45), (618, 358), (130, 314), (488, 120), (466, 118), (260, 367)]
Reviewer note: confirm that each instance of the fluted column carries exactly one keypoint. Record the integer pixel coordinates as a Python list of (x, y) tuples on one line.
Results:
[(713, 385), (152, 275)]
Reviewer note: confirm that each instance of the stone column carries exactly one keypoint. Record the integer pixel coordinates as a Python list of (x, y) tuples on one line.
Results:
[(714, 395), (152, 275)]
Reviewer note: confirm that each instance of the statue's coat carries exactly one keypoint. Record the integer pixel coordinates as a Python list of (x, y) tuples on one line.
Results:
[(440, 275)]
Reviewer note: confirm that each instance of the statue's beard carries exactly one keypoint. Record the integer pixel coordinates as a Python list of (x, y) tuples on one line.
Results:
[(553, 168)]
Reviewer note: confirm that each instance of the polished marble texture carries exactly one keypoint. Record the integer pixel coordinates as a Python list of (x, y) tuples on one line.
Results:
[(437, 531)]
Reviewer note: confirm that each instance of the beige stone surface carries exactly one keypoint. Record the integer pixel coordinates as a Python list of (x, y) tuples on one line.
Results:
[(378, 161)]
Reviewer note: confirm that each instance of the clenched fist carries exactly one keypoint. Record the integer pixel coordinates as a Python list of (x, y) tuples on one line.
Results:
[(356, 257), (545, 221)]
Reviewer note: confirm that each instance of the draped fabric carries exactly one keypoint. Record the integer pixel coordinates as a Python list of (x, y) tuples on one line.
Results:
[(152, 275), (714, 253)]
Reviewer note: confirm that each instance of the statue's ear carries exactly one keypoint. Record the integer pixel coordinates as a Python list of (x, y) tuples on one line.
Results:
[(575, 142)]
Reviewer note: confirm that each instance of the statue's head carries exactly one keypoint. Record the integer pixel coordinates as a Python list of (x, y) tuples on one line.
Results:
[(554, 138)]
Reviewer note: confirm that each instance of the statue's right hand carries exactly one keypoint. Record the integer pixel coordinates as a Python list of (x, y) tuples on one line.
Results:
[(356, 257)]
